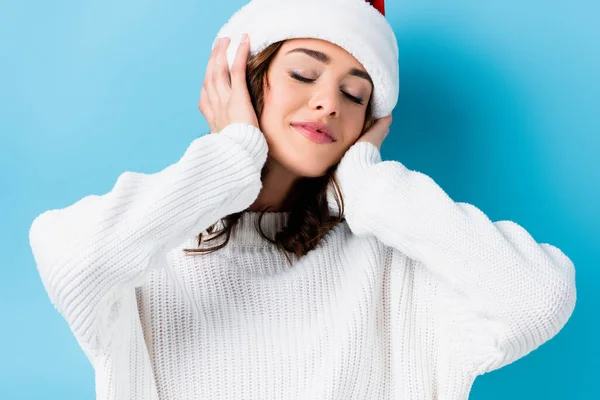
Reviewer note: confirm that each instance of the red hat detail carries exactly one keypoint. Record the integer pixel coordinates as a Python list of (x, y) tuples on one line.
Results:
[(379, 5)]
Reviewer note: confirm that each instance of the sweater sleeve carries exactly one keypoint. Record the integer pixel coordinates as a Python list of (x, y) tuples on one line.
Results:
[(92, 252), (499, 294)]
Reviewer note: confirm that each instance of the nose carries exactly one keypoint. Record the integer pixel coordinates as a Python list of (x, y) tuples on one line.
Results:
[(325, 99)]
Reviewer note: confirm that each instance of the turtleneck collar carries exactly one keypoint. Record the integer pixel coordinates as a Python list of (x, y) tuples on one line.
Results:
[(246, 230)]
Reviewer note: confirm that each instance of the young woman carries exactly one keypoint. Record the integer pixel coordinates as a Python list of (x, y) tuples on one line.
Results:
[(280, 257)]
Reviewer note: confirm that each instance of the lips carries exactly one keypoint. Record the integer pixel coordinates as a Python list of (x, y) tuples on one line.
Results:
[(315, 126), (313, 135)]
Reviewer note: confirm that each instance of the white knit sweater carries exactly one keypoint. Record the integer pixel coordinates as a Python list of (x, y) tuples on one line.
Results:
[(411, 297)]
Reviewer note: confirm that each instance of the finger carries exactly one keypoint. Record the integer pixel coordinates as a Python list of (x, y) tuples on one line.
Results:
[(219, 91), (207, 84), (205, 106), (385, 120), (384, 127), (238, 69), (211, 62), (221, 80), (382, 124)]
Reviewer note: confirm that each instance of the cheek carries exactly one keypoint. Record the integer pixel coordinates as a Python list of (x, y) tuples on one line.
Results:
[(283, 97), (353, 126), (280, 103)]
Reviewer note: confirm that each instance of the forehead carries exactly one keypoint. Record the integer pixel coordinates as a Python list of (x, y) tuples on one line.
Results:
[(337, 54)]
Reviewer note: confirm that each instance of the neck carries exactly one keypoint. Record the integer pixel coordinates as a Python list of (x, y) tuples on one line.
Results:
[(277, 193)]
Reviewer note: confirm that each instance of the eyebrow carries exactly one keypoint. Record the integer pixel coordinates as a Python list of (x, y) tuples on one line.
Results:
[(325, 59)]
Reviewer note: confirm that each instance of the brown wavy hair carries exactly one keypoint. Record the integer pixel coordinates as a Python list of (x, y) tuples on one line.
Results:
[(309, 218)]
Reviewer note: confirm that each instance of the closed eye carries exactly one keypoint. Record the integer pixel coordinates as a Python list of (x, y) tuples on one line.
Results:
[(306, 80)]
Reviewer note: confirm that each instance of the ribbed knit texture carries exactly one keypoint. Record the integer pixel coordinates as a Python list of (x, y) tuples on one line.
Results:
[(411, 297)]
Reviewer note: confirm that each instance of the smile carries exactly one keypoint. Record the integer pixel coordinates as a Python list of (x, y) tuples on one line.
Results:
[(313, 135)]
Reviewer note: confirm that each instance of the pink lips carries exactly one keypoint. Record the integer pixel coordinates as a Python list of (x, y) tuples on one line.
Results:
[(313, 135), (315, 131)]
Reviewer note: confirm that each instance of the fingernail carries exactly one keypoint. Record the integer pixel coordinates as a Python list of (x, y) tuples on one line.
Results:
[(244, 37)]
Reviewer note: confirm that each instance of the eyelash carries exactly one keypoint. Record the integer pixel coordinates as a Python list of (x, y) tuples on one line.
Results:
[(306, 80)]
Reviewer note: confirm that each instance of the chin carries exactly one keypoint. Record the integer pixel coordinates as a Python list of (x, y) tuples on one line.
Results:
[(302, 167), (297, 159), (313, 174), (304, 171)]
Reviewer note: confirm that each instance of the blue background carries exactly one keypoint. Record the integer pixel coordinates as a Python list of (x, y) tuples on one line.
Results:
[(499, 103)]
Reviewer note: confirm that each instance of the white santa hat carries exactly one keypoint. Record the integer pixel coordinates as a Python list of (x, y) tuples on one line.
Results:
[(357, 26)]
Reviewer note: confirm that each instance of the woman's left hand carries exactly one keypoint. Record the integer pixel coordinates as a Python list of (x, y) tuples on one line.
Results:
[(378, 132)]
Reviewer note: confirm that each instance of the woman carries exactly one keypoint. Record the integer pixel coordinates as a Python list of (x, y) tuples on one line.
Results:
[(396, 291)]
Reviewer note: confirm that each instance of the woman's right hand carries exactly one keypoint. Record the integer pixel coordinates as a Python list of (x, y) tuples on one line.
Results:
[(224, 98)]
